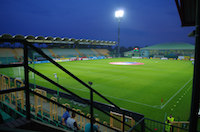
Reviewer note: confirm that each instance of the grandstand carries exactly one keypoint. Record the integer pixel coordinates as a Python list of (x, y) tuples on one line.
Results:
[(169, 50), (66, 49)]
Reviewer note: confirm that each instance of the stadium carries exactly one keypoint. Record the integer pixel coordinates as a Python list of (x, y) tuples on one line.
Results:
[(95, 64), (47, 83)]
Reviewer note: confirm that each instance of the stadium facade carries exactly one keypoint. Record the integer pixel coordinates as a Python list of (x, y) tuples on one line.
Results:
[(169, 50)]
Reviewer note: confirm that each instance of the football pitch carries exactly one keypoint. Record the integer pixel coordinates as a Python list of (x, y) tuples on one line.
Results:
[(157, 88)]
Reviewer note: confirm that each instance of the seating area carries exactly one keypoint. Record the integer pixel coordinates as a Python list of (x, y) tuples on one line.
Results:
[(88, 52), (41, 109), (102, 51), (65, 52), (9, 55), (7, 60)]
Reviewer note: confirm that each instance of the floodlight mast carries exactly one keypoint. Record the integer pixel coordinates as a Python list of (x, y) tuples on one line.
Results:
[(119, 14)]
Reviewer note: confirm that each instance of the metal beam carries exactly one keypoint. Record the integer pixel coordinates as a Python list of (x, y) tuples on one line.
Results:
[(10, 65), (196, 77), (26, 71), (11, 90)]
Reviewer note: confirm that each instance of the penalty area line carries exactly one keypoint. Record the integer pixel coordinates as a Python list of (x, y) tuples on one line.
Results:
[(175, 94)]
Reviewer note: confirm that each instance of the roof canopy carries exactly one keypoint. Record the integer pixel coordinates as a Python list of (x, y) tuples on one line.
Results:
[(187, 11), (57, 40), (170, 46)]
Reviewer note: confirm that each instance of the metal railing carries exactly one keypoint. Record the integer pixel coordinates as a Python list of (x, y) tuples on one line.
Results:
[(149, 125)]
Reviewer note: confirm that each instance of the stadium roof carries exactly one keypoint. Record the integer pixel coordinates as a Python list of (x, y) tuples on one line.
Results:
[(187, 11), (57, 40), (168, 46)]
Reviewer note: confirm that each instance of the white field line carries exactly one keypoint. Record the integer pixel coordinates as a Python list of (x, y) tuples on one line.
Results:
[(134, 102), (175, 94), (126, 100)]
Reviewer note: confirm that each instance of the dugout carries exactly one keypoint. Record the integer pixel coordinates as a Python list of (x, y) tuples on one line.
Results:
[(169, 50)]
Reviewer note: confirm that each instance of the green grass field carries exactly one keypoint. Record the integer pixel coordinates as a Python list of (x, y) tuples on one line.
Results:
[(138, 88)]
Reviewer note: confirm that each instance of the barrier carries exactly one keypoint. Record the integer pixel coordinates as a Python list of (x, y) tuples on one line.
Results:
[(82, 121), (20, 94), (6, 85), (38, 100), (105, 129), (79, 118), (88, 120), (180, 124), (120, 127), (53, 109), (62, 109)]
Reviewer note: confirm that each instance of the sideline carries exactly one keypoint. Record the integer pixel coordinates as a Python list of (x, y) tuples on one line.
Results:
[(175, 94)]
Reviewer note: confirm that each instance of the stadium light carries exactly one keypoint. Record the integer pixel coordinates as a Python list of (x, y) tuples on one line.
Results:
[(119, 14)]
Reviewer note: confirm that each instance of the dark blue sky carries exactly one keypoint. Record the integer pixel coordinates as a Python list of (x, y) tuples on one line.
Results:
[(146, 22)]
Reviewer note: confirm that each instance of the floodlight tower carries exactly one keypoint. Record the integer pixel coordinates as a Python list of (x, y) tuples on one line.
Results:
[(119, 14)]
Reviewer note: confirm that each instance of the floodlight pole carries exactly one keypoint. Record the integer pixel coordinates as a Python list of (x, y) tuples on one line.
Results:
[(118, 48), (119, 14)]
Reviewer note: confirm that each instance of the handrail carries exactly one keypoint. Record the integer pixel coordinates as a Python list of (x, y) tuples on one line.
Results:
[(166, 124), (131, 129), (11, 90), (162, 123), (11, 65)]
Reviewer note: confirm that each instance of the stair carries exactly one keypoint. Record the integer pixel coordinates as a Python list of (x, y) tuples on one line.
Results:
[(98, 54), (52, 53), (15, 54), (80, 54)]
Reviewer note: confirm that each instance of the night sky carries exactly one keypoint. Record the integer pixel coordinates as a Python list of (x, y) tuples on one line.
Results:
[(146, 22)]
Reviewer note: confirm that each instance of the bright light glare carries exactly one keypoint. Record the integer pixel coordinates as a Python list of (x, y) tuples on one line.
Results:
[(119, 13)]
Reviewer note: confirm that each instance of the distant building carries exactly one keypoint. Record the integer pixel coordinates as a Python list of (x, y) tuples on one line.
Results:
[(169, 50)]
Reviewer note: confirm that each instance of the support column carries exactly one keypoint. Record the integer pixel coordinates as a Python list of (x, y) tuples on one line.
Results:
[(196, 77), (26, 76)]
